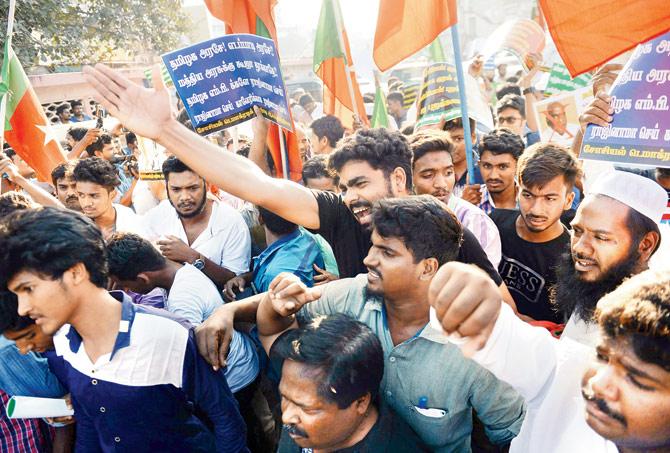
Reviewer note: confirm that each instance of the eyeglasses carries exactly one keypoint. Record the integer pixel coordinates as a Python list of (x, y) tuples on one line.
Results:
[(508, 119)]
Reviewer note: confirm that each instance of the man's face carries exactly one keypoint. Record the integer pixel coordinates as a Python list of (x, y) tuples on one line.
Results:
[(502, 70), (66, 191), (108, 151), (558, 120), (310, 106), (65, 115), (46, 301), (600, 237), (319, 145), (497, 171), (78, 110), (391, 267), (304, 144), (361, 186), (541, 207), (139, 285), (187, 192), (512, 120), (322, 183), (627, 399), (311, 420), (94, 199), (433, 174), (458, 138), (30, 339), (24, 169)]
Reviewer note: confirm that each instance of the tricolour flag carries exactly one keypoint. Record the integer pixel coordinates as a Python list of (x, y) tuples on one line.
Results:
[(588, 33), (404, 27), (256, 17), (26, 125), (334, 66)]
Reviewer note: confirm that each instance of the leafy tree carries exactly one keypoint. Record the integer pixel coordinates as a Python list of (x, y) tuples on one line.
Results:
[(74, 32)]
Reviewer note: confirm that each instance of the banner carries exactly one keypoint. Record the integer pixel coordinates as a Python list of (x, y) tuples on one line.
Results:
[(558, 116), (640, 131), (221, 80), (521, 38), (439, 98), (560, 80)]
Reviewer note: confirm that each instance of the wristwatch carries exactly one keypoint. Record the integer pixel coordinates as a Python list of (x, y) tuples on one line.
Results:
[(199, 263), (528, 90)]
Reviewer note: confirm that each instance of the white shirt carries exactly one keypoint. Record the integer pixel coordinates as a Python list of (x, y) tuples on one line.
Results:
[(550, 135), (128, 222), (547, 372), (194, 297), (225, 240)]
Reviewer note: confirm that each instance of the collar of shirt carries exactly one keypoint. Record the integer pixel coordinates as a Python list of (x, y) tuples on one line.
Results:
[(272, 248), (123, 337)]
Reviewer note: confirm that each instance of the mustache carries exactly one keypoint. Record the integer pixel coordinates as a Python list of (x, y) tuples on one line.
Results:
[(604, 408), (491, 181), (292, 429), (361, 204)]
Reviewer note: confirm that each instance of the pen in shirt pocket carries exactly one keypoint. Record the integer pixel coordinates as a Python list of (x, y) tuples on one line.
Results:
[(423, 409)]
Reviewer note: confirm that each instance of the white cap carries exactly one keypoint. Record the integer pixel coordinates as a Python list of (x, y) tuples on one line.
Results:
[(637, 192)]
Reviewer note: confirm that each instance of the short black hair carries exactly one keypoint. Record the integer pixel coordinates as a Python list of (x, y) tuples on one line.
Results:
[(502, 141), (131, 138), (429, 141), (512, 101), (9, 152), (173, 165), (61, 108), (305, 99), (9, 313), (381, 148), (13, 201), (346, 356), (316, 167), (508, 88), (396, 96), (423, 223), (130, 254), (328, 126), (75, 104), (639, 311), (457, 123), (278, 225), (639, 225), (543, 162), (62, 170), (49, 241), (103, 139), (77, 133), (97, 171), (408, 130), (244, 151)]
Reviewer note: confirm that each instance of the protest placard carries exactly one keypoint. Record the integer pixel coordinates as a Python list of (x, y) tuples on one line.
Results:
[(560, 80), (221, 80), (520, 38), (439, 98), (640, 130), (558, 116)]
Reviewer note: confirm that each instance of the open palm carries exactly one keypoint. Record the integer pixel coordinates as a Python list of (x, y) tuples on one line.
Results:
[(145, 111)]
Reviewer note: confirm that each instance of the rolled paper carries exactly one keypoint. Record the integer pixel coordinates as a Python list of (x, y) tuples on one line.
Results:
[(29, 407)]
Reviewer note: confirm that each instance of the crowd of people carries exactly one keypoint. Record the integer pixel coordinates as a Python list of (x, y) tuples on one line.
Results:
[(388, 302)]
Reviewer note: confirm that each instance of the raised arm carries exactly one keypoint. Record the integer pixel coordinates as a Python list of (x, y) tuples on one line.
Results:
[(38, 194), (148, 112)]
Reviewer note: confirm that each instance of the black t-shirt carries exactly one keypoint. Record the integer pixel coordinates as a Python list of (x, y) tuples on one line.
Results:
[(529, 268), (389, 435), (351, 243)]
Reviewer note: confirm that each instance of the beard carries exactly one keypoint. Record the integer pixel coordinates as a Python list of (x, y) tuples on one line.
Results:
[(574, 295), (199, 208)]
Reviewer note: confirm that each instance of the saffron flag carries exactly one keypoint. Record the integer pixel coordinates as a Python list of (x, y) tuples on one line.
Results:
[(26, 125), (257, 17), (404, 27), (589, 33), (334, 66)]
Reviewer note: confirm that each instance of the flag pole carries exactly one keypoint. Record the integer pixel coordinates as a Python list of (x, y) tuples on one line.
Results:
[(464, 104), (284, 155), (347, 67), (5, 61)]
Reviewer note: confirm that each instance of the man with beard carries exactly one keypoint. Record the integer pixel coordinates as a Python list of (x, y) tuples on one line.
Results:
[(66, 186), (427, 381), (500, 151), (191, 228), (617, 400), (533, 237), (615, 232)]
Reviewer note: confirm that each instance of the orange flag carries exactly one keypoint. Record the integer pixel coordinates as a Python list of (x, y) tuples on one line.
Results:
[(588, 33), (257, 17), (405, 27), (334, 66)]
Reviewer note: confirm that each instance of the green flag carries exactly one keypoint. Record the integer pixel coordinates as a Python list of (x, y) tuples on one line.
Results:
[(380, 117), (436, 51)]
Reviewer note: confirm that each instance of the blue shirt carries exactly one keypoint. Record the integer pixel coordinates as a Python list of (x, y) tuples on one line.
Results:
[(142, 397), (26, 375), (295, 253), (85, 117)]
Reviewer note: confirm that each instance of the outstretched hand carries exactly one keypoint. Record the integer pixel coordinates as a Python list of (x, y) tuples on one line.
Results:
[(145, 111)]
